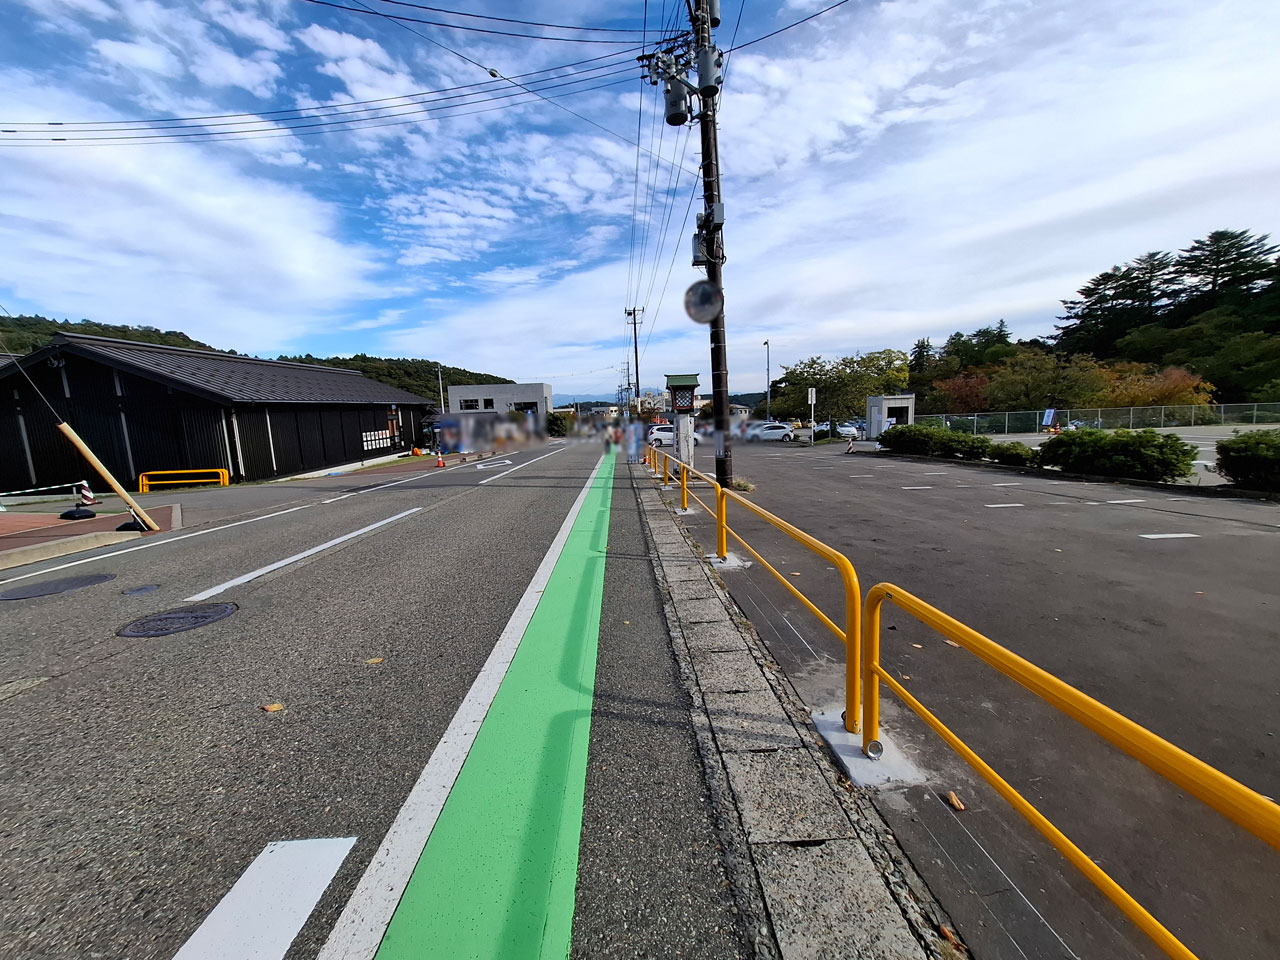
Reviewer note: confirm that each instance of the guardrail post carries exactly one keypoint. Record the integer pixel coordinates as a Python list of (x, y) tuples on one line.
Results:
[(684, 486), (666, 470), (853, 691), (870, 679), (722, 523)]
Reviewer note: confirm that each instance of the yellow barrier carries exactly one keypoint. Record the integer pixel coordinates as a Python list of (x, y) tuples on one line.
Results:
[(1232, 799), (850, 635), (145, 483)]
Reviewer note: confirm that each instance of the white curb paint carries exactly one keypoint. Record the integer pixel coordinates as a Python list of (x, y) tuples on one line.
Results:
[(155, 543), (364, 920), (263, 571), (499, 476), (1169, 536), (263, 912)]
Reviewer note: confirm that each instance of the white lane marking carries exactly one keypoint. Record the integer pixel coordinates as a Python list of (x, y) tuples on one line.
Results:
[(935, 473), (1126, 501), (995, 505), (964, 484), (499, 476), (917, 488), (396, 483), (260, 916), (359, 931), (263, 571), (861, 476), (1169, 536), (1173, 499), (1016, 483), (491, 464), (1060, 503), (343, 497), (1204, 463), (155, 543)]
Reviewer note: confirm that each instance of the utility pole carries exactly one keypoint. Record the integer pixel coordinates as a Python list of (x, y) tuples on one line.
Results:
[(768, 385), (440, 384), (636, 314)]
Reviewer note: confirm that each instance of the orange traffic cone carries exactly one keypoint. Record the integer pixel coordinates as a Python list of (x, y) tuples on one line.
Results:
[(439, 459)]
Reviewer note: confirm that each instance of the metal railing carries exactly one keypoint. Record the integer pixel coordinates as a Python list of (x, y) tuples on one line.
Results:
[(1108, 418), (222, 478), (850, 635), (864, 674), (1232, 799)]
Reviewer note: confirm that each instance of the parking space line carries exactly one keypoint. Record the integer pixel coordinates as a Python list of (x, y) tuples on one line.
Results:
[(263, 571), (262, 913), (917, 488), (996, 505), (1015, 483), (861, 476), (1169, 536), (1126, 501)]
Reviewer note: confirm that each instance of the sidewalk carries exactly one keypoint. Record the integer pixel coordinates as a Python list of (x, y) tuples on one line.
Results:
[(715, 823)]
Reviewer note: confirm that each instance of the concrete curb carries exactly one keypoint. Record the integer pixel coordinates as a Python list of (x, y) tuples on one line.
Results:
[(20, 556), (1222, 490), (801, 842)]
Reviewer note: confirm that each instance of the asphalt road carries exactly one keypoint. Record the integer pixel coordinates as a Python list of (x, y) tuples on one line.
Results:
[(141, 777), (1178, 633)]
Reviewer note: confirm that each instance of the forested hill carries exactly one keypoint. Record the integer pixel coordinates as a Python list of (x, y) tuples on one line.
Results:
[(23, 334), (416, 376)]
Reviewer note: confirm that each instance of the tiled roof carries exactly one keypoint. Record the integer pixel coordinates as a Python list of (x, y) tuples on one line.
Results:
[(234, 378)]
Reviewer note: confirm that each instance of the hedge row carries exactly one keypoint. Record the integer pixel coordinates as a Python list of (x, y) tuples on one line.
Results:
[(1251, 460), (1137, 455)]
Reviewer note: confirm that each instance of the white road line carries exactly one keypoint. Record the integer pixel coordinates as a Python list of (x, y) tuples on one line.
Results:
[(1016, 483), (359, 931), (861, 476), (499, 476), (1059, 503), (964, 484), (343, 497), (155, 543), (995, 505), (1169, 536), (1126, 501), (263, 571), (917, 488), (260, 916), (1174, 499), (935, 473)]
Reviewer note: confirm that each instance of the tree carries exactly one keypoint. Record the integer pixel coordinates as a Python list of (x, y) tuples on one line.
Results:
[(1030, 380), (1139, 385), (921, 357), (1224, 260)]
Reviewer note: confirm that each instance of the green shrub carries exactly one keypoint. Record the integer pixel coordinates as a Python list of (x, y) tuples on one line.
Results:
[(911, 438), (1013, 454), (820, 435), (949, 444), (1251, 460), (1135, 454)]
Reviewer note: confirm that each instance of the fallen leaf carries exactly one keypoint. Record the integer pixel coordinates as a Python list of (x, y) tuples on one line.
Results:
[(954, 800), (950, 642), (795, 573), (1199, 593), (906, 676), (273, 707), (627, 622), (917, 646), (950, 937), (374, 660)]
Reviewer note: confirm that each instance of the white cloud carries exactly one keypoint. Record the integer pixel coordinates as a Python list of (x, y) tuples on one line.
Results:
[(143, 55), (344, 46), (244, 24), (216, 66)]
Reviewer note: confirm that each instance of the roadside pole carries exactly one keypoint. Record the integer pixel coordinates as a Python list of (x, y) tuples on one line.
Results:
[(813, 427)]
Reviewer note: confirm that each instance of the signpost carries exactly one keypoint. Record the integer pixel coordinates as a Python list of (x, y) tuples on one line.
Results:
[(813, 398)]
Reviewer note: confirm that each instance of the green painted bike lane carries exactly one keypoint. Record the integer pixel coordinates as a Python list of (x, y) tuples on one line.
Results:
[(498, 875)]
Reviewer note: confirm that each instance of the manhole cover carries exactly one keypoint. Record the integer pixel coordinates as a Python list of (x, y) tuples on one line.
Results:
[(176, 621), (47, 588), (138, 590)]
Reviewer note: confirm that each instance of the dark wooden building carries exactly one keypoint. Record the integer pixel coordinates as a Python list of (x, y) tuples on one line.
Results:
[(140, 407)]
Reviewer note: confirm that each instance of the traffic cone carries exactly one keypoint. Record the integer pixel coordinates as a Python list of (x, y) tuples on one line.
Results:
[(86, 495), (439, 459)]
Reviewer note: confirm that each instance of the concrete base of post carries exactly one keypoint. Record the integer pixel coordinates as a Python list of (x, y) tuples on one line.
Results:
[(894, 766)]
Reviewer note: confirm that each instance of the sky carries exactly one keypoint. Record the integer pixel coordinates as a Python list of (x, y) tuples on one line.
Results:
[(891, 170)]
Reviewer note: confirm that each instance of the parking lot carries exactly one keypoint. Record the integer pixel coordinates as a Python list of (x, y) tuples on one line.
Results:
[(1159, 604)]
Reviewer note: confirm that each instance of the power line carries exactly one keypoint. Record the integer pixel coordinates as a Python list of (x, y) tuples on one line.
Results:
[(203, 130), (527, 23), (812, 16), (324, 106), (455, 26)]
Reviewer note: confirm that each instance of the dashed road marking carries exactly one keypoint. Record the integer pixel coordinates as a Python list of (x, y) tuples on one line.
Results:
[(861, 476), (1126, 501), (1015, 483), (994, 505), (935, 473), (1169, 536), (917, 488)]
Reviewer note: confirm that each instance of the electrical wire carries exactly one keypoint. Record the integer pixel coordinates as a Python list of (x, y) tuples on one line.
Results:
[(203, 130), (812, 16), (23, 370), (67, 124), (662, 296), (527, 23), (455, 26)]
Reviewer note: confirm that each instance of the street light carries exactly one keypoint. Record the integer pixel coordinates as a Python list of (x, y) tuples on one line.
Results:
[(768, 385)]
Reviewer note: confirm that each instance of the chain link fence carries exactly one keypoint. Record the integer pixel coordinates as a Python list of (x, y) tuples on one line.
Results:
[(1107, 418)]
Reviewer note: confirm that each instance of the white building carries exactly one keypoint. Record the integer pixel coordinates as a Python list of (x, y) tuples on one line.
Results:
[(501, 398)]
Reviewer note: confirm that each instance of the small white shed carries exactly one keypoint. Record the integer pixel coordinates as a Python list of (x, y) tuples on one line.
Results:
[(886, 411)]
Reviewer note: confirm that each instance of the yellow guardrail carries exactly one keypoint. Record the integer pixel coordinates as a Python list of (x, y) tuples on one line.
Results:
[(145, 483), (850, 635), (1232, 799)]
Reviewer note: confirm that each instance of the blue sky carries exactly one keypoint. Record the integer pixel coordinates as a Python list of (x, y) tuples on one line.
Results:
[(891, 170)]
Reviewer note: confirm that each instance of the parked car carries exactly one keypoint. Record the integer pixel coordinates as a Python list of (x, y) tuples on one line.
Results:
[(847, 429), (754, 428), (665, 433), (773, 431)]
